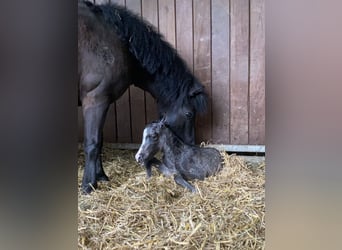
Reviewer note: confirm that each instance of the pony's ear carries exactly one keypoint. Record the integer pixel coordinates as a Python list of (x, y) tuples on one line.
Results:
[(196, 90), (198, 98)]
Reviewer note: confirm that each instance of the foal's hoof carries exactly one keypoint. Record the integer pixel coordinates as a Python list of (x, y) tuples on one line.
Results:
[(102, 177), (148, 174), (191, 188)]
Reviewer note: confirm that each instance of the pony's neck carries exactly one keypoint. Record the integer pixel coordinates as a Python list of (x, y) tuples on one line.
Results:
[(152, 88), (166, 88), (147, 83)]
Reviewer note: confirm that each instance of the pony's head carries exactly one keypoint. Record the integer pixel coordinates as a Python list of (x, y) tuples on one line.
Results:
[(180, 115)]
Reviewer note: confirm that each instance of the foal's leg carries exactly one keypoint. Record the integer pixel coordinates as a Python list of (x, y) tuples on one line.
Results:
[(181, 181), (148, 166), (169, 169), (165, 170), (94, 113)]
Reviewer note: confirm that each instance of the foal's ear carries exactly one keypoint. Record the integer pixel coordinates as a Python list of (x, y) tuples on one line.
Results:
[(162, 122)]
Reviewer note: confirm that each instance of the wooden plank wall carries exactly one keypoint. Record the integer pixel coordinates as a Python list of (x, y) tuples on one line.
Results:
[(223, 43)]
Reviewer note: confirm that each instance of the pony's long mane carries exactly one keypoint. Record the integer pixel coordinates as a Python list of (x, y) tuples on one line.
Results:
[(155, 55)]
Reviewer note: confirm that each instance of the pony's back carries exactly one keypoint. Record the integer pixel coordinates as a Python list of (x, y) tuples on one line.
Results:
[(143, 41)]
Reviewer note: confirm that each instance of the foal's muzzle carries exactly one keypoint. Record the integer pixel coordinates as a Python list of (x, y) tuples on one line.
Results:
[(139, 158)]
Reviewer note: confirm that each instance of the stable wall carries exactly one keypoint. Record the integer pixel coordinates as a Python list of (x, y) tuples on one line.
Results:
[(223, 42)]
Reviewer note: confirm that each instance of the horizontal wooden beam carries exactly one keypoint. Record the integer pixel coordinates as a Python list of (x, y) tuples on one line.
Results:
[(228, 148)]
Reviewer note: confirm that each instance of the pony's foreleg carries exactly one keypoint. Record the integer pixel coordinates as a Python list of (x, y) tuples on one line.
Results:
[(100, 174), (94, 113)]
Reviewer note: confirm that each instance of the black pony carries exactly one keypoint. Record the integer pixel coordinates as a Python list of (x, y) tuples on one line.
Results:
[(116, 49)]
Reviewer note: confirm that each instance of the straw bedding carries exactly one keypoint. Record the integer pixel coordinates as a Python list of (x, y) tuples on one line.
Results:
[(131, 212)]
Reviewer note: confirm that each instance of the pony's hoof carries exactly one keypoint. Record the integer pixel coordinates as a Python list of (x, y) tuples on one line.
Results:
[(102, 177), (87, 189)]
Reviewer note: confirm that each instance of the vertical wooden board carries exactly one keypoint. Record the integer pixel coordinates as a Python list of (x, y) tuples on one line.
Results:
[(134, 6), (80, 125), (119, 2), (123, 119), (150, 13), (184, 31), (239, 71), (137, 96), (137, 113), (220, 35), (123, 112), (202, 63), (101, 1), (109, 128), (257, 73), (151, 108), (167, 20)]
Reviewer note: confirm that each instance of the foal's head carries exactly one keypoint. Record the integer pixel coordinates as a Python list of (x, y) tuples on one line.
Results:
[(151, 142)]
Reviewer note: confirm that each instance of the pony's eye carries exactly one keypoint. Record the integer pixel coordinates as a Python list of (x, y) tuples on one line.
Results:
[(189, 115)]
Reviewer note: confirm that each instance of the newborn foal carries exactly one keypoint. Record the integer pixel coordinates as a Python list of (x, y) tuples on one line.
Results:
[(184, 161)]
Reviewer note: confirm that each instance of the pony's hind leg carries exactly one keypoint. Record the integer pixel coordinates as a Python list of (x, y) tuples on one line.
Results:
[(94, 113)]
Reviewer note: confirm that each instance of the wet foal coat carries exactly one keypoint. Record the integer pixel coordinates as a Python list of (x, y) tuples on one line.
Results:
[(183, 161)]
